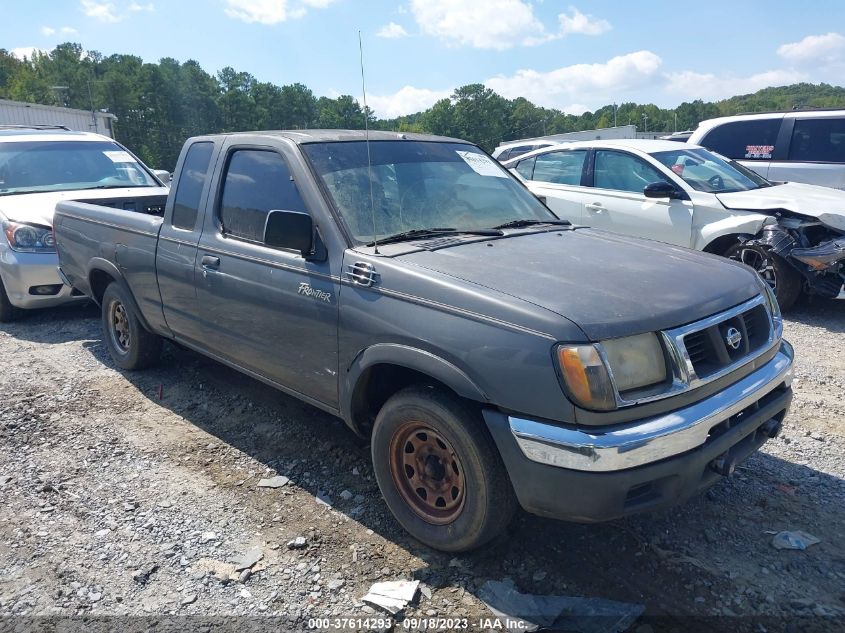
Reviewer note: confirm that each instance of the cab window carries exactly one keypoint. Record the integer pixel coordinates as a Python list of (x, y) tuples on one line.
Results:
[(191, 182), (257, 182)]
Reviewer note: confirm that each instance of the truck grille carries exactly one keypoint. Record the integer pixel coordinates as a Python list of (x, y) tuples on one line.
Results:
[(727, 342)]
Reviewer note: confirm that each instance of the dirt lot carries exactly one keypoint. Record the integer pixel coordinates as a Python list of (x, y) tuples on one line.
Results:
[(131, 494)]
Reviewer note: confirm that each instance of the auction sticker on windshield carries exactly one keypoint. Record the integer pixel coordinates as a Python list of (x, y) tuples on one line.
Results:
[(481, 164), (119, 156)]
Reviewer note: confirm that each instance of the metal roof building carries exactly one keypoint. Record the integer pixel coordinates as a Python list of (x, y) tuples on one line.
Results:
[(21, 113)]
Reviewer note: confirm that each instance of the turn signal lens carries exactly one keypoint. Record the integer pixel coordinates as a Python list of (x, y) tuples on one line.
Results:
[(586, 377)]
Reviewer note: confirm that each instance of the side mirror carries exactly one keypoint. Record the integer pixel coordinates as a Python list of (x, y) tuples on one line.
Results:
[(661, 189), (163, 175), (543, 199), (290, 229)]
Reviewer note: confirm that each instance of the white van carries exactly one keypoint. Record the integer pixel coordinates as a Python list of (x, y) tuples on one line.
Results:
[(799, 146)]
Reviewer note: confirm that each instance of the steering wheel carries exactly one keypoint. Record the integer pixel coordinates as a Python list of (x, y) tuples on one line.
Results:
[(717, 182)]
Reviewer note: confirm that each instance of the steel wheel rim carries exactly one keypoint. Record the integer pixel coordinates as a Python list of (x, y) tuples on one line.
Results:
[(761, 263), (119, 327), (428, 473)]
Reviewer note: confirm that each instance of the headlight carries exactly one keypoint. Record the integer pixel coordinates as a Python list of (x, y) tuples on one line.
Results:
[(29, 238), (774, 307), (595, 375)]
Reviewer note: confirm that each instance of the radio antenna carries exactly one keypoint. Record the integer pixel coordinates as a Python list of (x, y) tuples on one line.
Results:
[(367, 140)]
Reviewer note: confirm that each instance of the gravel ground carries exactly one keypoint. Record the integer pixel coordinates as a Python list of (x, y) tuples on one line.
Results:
[(137, 494)]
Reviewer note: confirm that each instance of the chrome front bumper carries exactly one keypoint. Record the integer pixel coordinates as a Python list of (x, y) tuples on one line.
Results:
[(652, 439), (22, 271)]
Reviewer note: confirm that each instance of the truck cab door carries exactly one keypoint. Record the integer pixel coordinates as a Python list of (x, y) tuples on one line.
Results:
[(269, 311), (617, 203), (177, 245)]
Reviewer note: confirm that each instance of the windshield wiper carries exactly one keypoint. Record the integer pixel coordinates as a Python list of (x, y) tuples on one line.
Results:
[(515, 224), (113, 187), (415, 234)]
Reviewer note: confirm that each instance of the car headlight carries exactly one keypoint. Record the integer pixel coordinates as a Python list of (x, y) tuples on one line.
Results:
[(774, 307), (595, 375), (29, 238)]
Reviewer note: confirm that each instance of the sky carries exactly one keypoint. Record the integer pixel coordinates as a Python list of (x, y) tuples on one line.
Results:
[(571, 56)]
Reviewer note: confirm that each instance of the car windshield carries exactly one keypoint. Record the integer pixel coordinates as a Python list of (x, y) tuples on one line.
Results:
[(705, 171), (418, 186), (40, 166)]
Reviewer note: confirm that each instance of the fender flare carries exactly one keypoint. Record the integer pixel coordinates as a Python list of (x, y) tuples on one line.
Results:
[(412, 358), (103, 265)]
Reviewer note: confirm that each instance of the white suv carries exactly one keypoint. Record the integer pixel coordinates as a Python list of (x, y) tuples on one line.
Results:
[(39, 166), (798, 146)]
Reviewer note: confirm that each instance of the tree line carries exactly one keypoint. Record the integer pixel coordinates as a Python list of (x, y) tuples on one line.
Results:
[(159, 105)]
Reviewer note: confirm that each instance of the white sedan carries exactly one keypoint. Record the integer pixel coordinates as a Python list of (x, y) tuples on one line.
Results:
[(792, 234)]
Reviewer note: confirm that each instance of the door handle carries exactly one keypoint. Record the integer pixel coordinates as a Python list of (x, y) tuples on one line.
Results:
[(595, 206), (210, 262)]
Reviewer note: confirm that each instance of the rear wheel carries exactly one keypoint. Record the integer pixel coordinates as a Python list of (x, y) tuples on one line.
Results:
[(439, 470), (8, 312), (782, 278), (130, 345)]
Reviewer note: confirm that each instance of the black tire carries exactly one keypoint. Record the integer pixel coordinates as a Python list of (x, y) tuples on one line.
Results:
[(130, 345), (774, 269), (8, 312), (443, 431)]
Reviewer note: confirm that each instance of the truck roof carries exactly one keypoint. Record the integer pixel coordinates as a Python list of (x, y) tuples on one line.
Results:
[(332, 136)]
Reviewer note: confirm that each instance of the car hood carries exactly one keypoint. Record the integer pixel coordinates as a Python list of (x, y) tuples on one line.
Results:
[(823, 203), (609, 285), (38, 208)]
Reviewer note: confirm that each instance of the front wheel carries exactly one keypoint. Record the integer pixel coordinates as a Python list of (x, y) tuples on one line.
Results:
[(782, 278), (439, 470), (130, 345)]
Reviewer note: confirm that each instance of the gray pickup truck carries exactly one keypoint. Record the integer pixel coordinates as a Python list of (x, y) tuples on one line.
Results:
[(495, 355)]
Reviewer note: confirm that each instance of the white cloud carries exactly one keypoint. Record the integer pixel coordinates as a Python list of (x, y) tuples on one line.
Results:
[(150, 7), (68, 30), (271, 11), (496, 24), (596, 82), (691, 85), (392, 31), (27, 52), (577, 22), (408, 100), (47, 31), (828, 48), (102, 11)]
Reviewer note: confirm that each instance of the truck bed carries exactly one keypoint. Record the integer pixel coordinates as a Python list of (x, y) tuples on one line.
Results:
[(95, 241)]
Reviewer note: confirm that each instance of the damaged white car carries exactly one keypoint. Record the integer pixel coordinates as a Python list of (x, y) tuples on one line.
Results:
[(792, 234)]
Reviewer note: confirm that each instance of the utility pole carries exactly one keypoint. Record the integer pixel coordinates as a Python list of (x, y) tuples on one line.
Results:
[(675, 127), (93, 113), (645, 122), (614, 114)]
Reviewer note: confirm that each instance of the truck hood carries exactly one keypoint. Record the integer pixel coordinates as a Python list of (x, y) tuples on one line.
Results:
[(609, 285), (823, 203), (38, 208)]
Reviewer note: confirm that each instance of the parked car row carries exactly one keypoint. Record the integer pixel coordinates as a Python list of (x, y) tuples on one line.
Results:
[(494, 354), (792, 234)]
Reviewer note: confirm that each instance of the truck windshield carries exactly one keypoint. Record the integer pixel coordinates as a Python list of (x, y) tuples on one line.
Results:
[(418, 186), (41, 166), (705, 171)]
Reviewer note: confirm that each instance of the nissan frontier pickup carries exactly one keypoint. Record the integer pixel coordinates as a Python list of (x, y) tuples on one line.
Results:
[(494, 355)]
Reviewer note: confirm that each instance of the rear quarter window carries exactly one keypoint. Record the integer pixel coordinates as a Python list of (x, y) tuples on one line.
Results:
[(744, 140), (818, 141), (191, 183)]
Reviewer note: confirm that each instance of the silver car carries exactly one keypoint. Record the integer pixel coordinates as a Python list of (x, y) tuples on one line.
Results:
[(799, 146), (38, 168)]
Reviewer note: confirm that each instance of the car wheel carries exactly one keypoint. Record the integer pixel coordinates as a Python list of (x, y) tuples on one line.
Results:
[(130, 345), (783, 279), (439, 470), (8, 312)]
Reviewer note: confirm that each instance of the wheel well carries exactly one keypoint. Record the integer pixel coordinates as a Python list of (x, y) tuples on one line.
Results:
[(99, 280), (721, 244), (376, 384)]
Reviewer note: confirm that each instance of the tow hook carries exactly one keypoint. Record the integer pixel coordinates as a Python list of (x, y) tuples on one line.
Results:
[(723, 465), (771, 428)]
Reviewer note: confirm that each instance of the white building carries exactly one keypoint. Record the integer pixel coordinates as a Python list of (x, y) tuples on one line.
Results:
[(20, 113)]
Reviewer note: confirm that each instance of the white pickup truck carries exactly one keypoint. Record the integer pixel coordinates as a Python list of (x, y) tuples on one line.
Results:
[(39, 167), (792, 234)]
